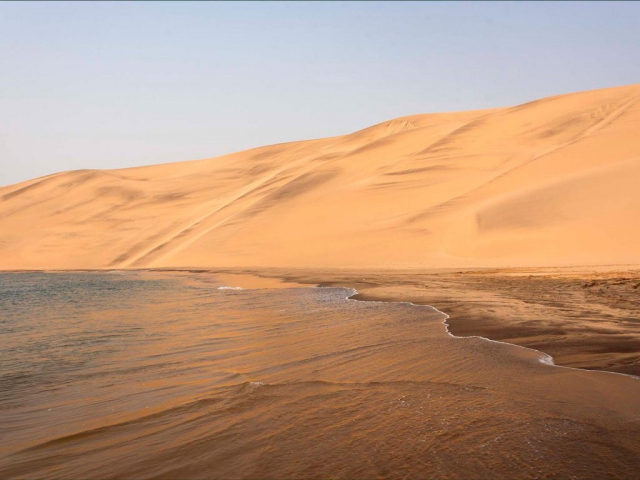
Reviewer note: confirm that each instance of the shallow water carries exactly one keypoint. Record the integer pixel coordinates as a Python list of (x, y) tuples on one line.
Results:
[(132, 375)]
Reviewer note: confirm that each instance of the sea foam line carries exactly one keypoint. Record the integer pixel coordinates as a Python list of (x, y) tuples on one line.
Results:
[(544, 358)]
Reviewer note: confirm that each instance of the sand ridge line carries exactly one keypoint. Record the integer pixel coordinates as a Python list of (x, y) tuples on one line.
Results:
[(464, 189)]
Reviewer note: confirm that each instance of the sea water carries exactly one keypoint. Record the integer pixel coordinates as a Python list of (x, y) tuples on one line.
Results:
[(148, 375)]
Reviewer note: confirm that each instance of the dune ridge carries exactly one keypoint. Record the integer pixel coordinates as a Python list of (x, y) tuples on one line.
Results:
[(547, 183)]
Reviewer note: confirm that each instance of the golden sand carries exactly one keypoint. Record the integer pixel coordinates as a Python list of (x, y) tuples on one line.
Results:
[(547, 183)]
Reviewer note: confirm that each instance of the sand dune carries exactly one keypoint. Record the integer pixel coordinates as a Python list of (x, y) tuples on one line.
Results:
[(551, 182)]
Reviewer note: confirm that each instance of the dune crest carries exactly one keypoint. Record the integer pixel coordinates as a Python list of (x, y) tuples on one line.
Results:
[(547, 183)]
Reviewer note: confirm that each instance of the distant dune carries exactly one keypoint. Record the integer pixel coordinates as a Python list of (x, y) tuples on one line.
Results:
[(548, 183)]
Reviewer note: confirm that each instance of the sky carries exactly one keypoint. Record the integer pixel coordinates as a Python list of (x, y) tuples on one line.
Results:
[(113, 85)]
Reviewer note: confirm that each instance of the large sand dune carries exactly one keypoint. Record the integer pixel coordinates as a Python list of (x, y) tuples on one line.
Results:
[(551, 182)]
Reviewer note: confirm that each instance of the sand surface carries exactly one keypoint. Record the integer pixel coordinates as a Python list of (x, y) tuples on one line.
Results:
[(548, 183)]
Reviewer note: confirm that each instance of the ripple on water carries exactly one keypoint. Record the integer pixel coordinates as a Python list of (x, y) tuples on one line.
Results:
[(137, 376)]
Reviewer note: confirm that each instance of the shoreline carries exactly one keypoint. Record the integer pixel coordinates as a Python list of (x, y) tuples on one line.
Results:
[(545, 358), (581, 318), (565, 315)]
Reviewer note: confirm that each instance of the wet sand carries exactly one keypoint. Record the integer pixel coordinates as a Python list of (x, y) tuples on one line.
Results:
[(583, 317)]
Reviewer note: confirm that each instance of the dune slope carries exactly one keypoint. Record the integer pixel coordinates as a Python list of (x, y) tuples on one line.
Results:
[(551, 182)]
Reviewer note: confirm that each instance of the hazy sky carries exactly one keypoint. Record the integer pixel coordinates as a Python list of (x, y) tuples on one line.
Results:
[(109, 85)]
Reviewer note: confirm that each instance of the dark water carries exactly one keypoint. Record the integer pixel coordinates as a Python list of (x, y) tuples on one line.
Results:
[(130, 375)]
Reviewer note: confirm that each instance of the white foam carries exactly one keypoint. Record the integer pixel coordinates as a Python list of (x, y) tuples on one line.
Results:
[(225, 287)]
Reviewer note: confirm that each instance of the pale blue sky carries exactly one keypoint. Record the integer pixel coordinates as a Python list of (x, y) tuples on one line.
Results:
[(109, 85)]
